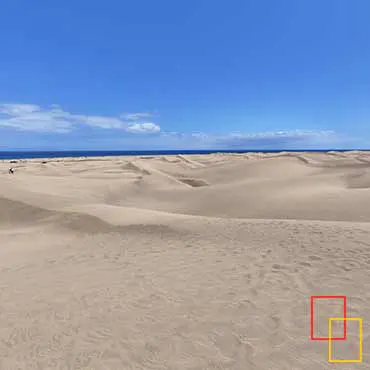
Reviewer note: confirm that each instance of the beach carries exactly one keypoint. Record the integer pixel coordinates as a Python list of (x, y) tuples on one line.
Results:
[(181, 262)]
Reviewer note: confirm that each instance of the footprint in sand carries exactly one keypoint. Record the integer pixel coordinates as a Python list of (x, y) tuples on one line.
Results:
[(276, 266), (266, 253), (315, 258)]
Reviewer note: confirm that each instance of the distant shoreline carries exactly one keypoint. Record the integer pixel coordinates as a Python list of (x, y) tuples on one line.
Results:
[(13, 155)]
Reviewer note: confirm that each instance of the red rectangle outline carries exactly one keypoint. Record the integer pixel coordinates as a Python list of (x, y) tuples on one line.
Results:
[(312, 315)]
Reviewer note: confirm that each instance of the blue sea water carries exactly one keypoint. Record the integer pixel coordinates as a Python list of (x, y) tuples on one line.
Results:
[(105, 153)]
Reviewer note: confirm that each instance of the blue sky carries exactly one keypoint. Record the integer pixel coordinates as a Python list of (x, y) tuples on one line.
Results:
[(165, 74)]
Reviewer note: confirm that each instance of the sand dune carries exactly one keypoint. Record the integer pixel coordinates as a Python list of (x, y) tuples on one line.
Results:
[(181, 262)]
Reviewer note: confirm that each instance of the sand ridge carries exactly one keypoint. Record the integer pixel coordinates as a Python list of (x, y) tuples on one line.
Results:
[(179, 262)]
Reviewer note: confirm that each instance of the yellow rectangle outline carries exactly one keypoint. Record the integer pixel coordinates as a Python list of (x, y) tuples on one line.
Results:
[(359, 319)]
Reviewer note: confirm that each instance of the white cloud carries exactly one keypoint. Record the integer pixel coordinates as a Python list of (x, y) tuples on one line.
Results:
[(103, 122), (199, 135), (300, 139), (144, 128), (54, 119), (17, 109), (254, 135), (135, 116), (285, 134), (31, 117)]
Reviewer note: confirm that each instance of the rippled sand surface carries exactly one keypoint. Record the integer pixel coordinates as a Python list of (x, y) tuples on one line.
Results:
[(182, 262)]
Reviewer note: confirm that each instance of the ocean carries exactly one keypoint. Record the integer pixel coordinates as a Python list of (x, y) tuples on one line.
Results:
[(105, 153)]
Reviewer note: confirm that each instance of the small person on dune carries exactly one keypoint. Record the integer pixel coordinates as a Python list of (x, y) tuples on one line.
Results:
[(11, 171)]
